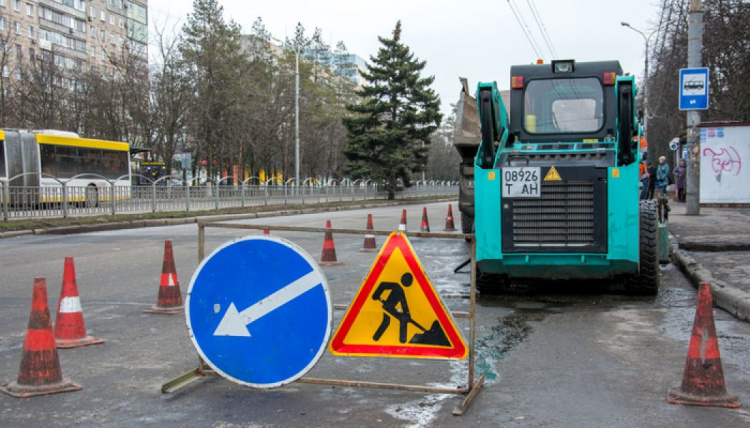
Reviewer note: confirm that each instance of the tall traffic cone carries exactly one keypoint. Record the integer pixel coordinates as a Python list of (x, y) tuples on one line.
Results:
[(170, 299), (328, 258), (703, 379), (369, 245), (402, 225), (39, 373), (449, 226), (425, 225), (70, 330)]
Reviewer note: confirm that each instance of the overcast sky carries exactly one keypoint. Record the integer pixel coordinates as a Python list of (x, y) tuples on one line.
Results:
[(477, 39)]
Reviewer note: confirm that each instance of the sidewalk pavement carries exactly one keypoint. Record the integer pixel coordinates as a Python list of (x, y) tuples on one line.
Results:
[(715, 247)]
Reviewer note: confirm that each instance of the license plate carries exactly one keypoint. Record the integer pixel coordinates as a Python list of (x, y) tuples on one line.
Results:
[(523, 182)]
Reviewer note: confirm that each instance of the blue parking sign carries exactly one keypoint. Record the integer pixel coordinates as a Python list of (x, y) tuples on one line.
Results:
[(259, 312), (694, 89)]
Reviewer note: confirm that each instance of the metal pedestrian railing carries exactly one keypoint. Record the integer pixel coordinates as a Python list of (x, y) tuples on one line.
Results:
[(69, 201)]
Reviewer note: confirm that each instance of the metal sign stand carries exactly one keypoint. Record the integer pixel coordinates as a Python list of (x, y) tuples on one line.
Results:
[(473, 387)]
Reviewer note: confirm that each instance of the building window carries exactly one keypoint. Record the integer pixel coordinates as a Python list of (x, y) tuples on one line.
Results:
[(92, 12), (31, 31), (18, 27), (102, 35), (104, 54), (111, 19), (18, 73), (112, 39), (17, 5), (103, 16), (29, 9), (5, 71), (2, 3), (32, 54), (2, 23), (122, 23), (93, 51), (19, 51)]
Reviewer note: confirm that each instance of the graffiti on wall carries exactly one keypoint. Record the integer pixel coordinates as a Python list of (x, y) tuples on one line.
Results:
[(723, 160)]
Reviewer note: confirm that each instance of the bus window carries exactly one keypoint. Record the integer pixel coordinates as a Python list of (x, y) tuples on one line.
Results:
[(90, 161), (67, 165), (115, 164), (2, 159), (48, 160)]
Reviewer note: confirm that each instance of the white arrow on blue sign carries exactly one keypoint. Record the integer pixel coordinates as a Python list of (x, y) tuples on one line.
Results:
[(285, 319)]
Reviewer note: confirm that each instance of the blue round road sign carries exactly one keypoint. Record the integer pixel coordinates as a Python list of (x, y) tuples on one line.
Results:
[(258, 311)]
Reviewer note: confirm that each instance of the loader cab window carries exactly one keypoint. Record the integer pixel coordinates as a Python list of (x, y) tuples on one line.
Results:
[(562, 106)]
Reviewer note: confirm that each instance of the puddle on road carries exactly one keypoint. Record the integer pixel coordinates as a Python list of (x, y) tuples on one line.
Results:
[(495, 341)]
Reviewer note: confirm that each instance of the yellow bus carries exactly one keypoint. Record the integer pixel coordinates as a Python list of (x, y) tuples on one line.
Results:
[(35, 164)]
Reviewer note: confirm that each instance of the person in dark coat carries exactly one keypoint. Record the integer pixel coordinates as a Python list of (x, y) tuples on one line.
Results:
[(680, 174), (652, 180)]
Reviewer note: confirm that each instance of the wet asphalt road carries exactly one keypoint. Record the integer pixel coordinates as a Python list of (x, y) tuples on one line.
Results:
[(584, 358)]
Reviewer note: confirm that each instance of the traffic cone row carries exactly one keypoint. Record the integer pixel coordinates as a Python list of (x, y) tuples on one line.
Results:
[(402, 225), (169, 301), (40, 372), (70, 330), (703, 377), (449, 226), (424, 226), (369, 246), (328, 257)]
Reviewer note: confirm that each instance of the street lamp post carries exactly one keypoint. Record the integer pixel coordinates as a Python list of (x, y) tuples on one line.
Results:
[(647, 39), (296, 118), (296, 111)]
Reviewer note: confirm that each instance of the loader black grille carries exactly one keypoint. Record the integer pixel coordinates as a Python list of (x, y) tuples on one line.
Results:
[(569, 216), (562, 216)]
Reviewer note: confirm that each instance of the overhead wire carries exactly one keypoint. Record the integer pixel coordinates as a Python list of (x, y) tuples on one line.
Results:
[(542, 28), (525, 28)]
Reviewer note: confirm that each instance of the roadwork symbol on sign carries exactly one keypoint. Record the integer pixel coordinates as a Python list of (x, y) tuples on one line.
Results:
[(397, 312), (258, 311)]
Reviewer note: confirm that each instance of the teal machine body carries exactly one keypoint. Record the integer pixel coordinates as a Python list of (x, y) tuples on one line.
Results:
[(557, 181)]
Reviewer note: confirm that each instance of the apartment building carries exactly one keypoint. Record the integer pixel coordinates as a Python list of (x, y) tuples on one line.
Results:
[(77, 34)]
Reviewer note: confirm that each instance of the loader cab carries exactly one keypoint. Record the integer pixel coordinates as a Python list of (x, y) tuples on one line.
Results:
[(564, 101)]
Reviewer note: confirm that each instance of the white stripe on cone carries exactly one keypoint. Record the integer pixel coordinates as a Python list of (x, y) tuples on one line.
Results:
[(70, 305), (172, 281)]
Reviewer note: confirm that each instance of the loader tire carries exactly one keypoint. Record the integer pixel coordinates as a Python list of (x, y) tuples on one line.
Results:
[(646, 281)]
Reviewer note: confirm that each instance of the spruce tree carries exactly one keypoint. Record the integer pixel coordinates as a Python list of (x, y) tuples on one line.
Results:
[(389, 130)]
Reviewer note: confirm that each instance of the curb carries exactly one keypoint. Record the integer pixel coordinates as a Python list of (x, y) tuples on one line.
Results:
[(734, 301)]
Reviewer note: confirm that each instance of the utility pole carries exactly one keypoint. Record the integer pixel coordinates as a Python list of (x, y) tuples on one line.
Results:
[(695, 60)]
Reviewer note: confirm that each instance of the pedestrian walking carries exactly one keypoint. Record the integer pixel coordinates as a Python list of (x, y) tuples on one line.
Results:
[(662, 175), (680, 174), (643, 174)]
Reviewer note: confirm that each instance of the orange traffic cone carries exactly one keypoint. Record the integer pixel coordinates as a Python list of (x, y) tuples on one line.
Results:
[(425, 225), (39, 373), (449, 226), (328, 258), (402, 225), (70, 330), (170, 299), (369, 245), (703, 379)]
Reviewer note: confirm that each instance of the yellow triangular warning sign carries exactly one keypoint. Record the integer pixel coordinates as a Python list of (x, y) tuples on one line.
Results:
[(552, 175), (397, 312)]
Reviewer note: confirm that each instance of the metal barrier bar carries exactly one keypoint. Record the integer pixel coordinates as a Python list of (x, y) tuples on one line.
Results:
[(472, 387)]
